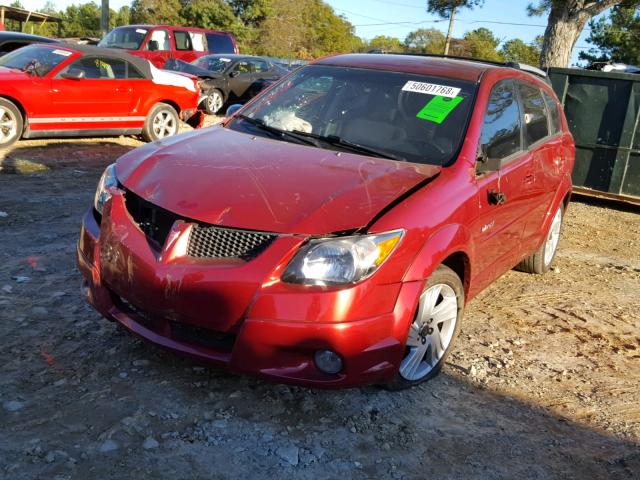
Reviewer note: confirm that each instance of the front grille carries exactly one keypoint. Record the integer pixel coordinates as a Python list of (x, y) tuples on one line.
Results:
[(154, 221), (217, 242), (204, 337)]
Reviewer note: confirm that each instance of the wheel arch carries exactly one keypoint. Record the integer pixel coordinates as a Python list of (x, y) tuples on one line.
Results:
[(18, 104), (451, 246), (173, 103)]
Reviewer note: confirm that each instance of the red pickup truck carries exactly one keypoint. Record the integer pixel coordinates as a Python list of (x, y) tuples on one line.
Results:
[(159, 43)]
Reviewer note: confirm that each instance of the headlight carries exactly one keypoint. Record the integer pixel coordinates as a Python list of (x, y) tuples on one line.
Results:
[(107, 181), (336, 261)]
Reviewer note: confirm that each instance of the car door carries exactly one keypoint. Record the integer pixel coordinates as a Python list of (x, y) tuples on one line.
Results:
[(537, 140), (502, 175), (240, 79), (157, 48), (103, 91)]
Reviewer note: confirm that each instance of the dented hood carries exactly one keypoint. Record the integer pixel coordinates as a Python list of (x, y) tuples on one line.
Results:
[(223, 177)]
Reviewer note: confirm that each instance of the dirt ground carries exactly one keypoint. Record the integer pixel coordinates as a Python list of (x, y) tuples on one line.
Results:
[(544, 381)]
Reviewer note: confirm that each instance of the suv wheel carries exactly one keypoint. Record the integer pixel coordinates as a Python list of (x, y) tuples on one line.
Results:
[(434, 328), (541, 260), (161, 122), (11, 123)]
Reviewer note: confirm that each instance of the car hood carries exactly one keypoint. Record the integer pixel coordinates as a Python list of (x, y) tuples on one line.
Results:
[(223, 177)]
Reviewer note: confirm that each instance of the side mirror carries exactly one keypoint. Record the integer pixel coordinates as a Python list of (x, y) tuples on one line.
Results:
[(485, 164), (154, 45), (74, 74), (234, 74), (233, 109)]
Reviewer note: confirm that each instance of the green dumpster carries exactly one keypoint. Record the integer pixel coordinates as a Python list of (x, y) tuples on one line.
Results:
[(602, 110)]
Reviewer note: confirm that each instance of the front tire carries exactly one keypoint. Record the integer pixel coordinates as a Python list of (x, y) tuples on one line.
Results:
[(541, 261), (214, 102), (162, 121), (433, 330), (11, 123)]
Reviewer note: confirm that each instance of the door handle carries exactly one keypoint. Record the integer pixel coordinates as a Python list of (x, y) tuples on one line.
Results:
[(529, 177), (496, 198)]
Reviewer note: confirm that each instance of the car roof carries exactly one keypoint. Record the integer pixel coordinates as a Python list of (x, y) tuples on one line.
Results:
[(441, 67), (141, 64), (25, 36), (232, 56)]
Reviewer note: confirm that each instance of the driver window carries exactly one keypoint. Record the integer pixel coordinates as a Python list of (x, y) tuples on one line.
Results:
[(500, 136), (242, 67), (159, 40)]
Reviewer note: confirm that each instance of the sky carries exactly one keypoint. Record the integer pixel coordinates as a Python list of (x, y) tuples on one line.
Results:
[(396, 18)]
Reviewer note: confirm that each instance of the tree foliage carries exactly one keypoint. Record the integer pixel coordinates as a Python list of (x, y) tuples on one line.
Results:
[(425, 40), (615, 38), (443, 8), (479, 43), (517, 51)]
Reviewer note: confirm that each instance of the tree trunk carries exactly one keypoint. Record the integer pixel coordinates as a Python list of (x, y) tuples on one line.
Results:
[(566, 21), (450, 32)]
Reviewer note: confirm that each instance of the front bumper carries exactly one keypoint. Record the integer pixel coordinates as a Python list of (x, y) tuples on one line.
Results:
[(267, 341)]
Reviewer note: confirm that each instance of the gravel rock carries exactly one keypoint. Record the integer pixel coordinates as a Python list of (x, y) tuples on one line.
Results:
[(141, 363), (108, 446), (289, 454), (150, 443), (13, 406), (7, 288)]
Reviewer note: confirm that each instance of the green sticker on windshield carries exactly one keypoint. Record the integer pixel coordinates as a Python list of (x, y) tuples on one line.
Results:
[(438, 109)]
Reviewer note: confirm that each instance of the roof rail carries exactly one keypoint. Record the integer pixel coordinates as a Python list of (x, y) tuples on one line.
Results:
[(518, 66)]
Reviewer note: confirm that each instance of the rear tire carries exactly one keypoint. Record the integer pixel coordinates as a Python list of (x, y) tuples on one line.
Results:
[(540, 262), (162, 121), (434, 329), (11, 123)]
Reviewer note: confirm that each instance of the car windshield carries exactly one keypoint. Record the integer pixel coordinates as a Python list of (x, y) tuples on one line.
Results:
[(128, 38), (35, 59), (401, 116), (213, 64)]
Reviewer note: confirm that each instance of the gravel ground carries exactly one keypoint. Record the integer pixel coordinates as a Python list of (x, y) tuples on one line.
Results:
[(543, 382)]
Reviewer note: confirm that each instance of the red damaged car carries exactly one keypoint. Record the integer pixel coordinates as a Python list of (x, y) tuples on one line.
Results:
[(57, 90), (331, 232)]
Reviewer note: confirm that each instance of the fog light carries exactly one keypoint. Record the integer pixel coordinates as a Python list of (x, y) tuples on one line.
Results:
[(328, 361)]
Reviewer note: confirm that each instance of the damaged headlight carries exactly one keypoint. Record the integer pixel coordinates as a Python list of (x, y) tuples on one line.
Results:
[(107, 181), (336, 261)]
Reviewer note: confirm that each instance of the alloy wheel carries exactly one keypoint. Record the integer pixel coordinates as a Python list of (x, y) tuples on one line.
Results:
[(164, 124), (431, 332), (8, 125), (553, 237), (214, 102)]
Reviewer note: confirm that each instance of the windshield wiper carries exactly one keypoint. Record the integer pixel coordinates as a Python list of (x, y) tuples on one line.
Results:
[(336, 141), (276, 131)]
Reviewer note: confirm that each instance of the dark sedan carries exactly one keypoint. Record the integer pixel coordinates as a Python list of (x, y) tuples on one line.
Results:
[(229, 78), (10, 41)]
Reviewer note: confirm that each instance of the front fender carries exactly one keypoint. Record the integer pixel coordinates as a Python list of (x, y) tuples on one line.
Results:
[(444, 242)]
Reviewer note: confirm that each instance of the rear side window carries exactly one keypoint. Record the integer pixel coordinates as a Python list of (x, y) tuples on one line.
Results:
[(198, 41), (554, 114), (535, 114), (500, 136), (220, 43), (182, 39), (259, 66)]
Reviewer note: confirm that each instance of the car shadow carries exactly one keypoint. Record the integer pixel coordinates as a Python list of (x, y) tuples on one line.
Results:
[(35, 156)]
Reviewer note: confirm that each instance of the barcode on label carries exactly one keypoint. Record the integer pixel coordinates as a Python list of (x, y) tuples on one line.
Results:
[(431, 89)]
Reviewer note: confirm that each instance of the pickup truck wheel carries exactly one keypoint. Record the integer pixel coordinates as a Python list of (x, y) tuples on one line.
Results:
[(11, 123), (214, 102), (540, 261), (433, 330), (162, 121)]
